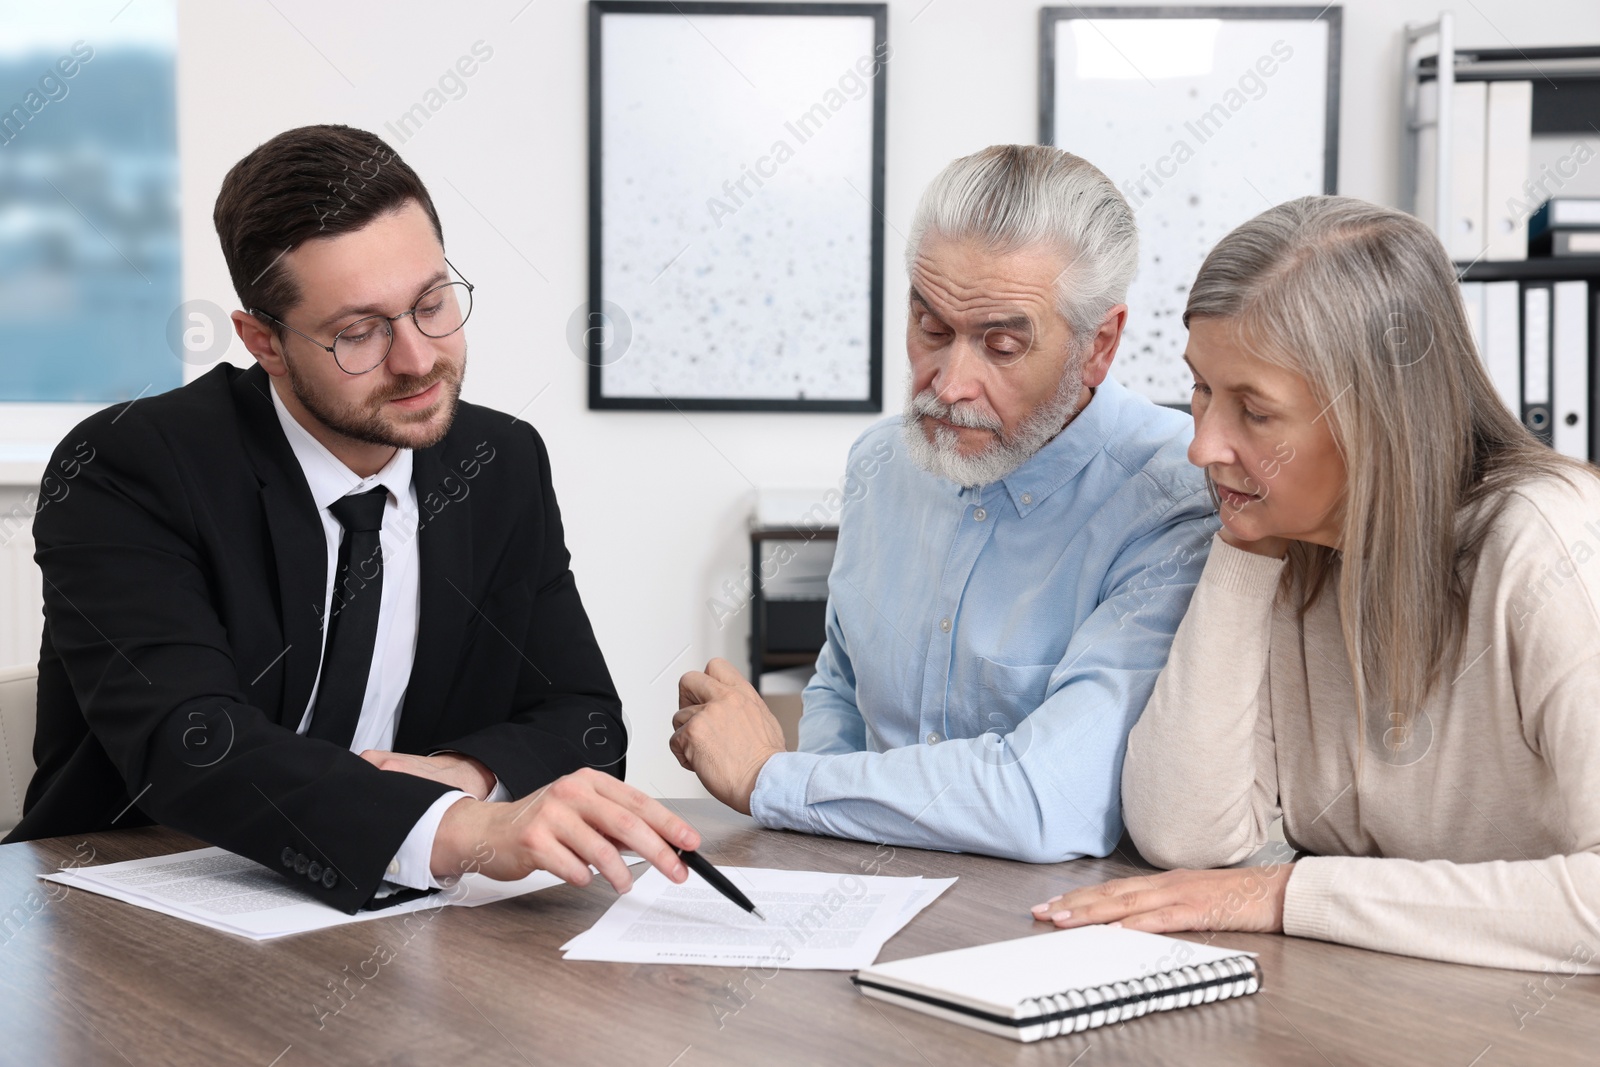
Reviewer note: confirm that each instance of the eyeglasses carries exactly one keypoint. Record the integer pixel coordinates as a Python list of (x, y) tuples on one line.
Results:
[(364, 344)]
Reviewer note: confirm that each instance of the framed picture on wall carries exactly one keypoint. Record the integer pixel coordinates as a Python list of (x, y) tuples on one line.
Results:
[(1204, 117), (735, 206)]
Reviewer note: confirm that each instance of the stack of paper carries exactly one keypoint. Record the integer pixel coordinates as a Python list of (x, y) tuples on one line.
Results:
[(216, 888), (814, 920)]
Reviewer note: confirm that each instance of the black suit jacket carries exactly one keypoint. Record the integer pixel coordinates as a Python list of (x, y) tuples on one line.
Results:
[(185, 569)]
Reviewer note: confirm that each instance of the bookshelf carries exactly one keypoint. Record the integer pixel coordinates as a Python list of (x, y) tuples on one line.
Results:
[(1549, 268), (1565, 94)]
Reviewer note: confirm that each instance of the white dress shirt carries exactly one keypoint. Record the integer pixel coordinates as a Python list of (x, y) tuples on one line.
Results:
[(399, 608)]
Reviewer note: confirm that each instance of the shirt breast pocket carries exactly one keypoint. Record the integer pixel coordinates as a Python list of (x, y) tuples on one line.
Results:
[(1010, 691)]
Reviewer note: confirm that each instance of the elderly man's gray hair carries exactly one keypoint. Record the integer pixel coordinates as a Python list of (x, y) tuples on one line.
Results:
[(1013, 196)]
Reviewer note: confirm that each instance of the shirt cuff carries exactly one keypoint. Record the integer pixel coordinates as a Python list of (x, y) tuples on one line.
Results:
[(1308, 898), (496, 792), (1240, 571), (778, 801), (412, 866)]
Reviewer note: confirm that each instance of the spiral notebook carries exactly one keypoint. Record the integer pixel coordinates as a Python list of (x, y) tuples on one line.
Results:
[(1063, 982)]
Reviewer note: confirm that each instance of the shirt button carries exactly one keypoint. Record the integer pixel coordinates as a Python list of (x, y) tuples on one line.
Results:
[(1027, 498), (394, 866), (934, 738), (978, 514), (944, 624)]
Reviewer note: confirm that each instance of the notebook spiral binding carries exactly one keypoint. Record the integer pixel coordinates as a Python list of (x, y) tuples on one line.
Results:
[(1085, 1009)]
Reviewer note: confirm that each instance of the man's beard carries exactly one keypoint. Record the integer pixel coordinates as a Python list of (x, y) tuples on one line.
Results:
[(942, 456), (371, 423)]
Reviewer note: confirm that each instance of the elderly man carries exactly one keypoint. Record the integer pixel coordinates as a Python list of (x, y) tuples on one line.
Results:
[(1006, 589)]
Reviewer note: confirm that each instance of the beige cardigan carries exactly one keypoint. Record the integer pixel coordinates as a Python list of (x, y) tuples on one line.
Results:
[(1478, 841)]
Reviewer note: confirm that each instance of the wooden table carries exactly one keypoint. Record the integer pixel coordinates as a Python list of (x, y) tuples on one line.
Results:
[(89, 980)]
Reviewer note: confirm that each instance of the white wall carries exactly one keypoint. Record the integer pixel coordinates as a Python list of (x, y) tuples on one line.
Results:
[(655, 504)]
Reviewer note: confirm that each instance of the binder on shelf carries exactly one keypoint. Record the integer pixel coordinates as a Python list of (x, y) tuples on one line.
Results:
[(1536, 414), (1569, 368), (1565, 213), (1508, 146), (1046, 985), (1423, 196), (1502, 344), (1466, 237), (1565, 243), (1472, 301)]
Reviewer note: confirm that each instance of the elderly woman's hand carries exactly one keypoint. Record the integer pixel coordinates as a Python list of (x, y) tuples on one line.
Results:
[(1243, 898)]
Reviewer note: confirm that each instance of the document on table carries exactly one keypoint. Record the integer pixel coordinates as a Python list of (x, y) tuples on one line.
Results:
[(224, 891), (815, 920)]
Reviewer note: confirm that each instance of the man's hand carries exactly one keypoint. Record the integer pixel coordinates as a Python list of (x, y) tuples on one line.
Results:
[(584, 818), (1242, 898), (449, 768), (724, 732)]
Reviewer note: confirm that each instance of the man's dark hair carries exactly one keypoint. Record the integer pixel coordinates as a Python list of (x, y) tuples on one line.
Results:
[(314, 181)]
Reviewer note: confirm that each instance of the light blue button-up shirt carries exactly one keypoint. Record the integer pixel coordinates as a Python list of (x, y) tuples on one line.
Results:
[(989, 648)]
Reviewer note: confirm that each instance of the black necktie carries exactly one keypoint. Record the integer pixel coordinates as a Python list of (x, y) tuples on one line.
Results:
[(352, 618)]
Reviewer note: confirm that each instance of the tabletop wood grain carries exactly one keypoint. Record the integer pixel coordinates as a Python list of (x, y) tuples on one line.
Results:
[(89, 980)]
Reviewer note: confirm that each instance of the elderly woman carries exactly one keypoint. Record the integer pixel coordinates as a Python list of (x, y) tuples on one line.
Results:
[(1396, 639)]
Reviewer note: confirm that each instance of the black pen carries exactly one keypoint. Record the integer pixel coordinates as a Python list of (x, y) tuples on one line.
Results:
[(719, 881)]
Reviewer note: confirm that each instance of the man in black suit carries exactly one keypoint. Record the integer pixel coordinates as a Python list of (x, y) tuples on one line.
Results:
[(319, 612)]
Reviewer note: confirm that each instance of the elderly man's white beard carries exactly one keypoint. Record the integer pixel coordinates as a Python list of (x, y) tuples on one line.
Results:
[(942, 456)]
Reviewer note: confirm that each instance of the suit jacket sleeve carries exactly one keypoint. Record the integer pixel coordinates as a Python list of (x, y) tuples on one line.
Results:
[(130, 613), (565, 711)]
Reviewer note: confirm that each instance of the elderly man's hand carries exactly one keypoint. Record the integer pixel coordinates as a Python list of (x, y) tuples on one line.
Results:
[(724, 732)]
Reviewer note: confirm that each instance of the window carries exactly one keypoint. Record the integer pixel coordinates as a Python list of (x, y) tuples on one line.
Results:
[(89, 253)]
